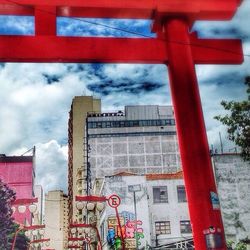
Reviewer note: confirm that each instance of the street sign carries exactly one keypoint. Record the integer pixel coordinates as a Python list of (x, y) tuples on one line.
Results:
[(134, 188)]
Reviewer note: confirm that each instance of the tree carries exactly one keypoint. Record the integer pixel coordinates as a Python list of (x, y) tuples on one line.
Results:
[(7, 196), (238, 122), (7, 225), (21, 241)]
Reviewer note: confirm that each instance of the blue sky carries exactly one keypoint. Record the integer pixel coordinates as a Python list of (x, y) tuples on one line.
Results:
[(35, 98)]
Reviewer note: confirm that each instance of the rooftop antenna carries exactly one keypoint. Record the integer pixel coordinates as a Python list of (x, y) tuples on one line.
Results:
[(221, 145), (33, 149)]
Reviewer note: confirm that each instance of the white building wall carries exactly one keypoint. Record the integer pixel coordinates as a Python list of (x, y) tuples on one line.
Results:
[(38, 217), (172, 211), (139, 149), (233, 183), (147, 211), (56, 219), (119, 185), (136, 154)]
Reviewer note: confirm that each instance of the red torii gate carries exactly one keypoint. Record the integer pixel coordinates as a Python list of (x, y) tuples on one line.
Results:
[(174, 46)]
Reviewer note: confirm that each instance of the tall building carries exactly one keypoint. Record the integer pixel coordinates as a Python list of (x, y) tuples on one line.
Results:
[(38, 190), (140, 140), (56, 219), (77, 162), (18, 172)]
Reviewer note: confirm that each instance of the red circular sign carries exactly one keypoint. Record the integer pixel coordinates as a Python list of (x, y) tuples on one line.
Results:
[(114, 201)]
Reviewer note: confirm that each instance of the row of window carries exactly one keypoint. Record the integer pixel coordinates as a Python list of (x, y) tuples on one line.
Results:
[(163, 227), (132, 134), (131, 123), (160, 194)]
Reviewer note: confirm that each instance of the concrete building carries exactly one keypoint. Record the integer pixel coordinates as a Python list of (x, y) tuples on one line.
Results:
[(232, 176), (19, 173), (156, 201), (140, 139), (169, 217), (56, 219), (81, 105), (38, 191)]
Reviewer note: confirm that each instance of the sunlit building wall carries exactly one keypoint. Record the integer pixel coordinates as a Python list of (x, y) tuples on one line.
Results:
[(140, 140), (56, 219), (81, 105)]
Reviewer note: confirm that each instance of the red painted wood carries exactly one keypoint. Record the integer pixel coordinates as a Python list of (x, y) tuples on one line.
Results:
[(72, 49), (194, 150), (216, 51), (112, 50), (45, 20), (203, 10)]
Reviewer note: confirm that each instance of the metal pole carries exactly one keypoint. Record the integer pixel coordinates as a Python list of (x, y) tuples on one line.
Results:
[(136, 238), (120, 227), (221, 145)]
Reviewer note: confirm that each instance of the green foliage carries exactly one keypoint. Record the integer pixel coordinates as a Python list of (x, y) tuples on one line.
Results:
[(7, 196), (21, 241), (239, 246), (238, 122), (7, 225)]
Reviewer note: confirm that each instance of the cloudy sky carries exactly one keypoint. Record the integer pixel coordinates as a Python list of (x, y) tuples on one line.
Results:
[(35, 98)]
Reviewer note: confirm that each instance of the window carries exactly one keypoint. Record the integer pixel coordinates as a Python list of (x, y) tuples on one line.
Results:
[(185, 227), (181, 193), (162, 227), (160, 194)]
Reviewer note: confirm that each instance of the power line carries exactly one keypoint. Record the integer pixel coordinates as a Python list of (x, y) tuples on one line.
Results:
[(131, 32)]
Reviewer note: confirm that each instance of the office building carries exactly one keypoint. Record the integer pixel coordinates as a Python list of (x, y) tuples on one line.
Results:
[(56, 219), (140, 140), (77, 160)]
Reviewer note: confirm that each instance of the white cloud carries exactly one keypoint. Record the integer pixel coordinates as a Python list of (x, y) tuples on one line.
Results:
[(51, 162)]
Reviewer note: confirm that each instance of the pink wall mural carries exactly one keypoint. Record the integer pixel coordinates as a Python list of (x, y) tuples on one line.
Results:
[(18, 173)]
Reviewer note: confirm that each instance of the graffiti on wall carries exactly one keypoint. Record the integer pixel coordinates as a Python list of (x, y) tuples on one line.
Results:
[(131, 231)]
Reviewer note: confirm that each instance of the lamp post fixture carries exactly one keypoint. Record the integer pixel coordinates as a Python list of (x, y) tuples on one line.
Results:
[(36, 229), (91, 202), (78, 242), (21, 205), (90, 230), (133, 189), (39, 242)]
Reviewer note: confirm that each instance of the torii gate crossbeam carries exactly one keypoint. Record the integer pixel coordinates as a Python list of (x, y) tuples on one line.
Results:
[(174, 46)]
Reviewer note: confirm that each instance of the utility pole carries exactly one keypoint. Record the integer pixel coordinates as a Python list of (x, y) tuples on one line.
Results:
[(133, 189)]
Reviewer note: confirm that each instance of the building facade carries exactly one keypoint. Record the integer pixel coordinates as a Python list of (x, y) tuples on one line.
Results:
[(77, 161), (140, 139), (232, 176), (153, 211), (169, 217), (38, 190), (56, 219), (18, 172)]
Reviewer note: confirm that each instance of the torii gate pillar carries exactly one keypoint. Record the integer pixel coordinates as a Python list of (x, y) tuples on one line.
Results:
[(194, 150)]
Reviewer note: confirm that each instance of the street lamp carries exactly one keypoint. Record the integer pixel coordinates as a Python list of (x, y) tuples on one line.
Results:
[(133, 189), (21, 205), (87, 232), (39, 242), (98, 202)]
